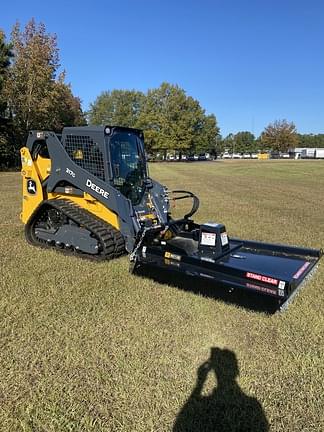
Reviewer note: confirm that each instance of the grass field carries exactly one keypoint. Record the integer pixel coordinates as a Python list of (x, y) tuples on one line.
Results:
[(88, 347)]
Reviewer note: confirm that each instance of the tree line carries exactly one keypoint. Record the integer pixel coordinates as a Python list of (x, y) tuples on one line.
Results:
[(175, 122), (34, 95), (279, 136), (172, 121)]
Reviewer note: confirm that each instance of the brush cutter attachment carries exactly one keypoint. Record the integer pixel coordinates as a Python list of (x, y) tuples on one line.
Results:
[(205, 251)]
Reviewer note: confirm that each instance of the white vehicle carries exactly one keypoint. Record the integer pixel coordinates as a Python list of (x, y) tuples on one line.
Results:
[(246, 156), (319, 153), (296, 152), (237, 156), (226, 155), (308, 153), (254, 156), (312, 153), (284, 155)]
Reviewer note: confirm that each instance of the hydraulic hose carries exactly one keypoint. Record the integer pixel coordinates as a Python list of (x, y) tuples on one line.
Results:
[(187, 194)]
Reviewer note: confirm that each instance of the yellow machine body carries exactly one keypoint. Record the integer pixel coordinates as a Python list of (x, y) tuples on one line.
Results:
[(38, 171)]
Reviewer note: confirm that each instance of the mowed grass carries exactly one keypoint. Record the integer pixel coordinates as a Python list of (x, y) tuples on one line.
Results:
[(88, 347)]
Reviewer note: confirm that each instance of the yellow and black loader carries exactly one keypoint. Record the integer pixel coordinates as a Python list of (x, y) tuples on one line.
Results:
[(88, 192)]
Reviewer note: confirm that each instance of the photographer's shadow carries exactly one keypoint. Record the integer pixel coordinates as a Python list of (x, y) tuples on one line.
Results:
[(226, 408)]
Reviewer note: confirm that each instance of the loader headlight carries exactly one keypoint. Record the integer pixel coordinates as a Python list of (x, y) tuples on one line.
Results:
[(107, 130)]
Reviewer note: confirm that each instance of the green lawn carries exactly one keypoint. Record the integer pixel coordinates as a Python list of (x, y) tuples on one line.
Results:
[(87, 347)]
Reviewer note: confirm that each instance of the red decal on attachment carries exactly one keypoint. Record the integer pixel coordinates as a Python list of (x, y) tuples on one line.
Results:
[(301, 270), (261, 278), (261, 288)]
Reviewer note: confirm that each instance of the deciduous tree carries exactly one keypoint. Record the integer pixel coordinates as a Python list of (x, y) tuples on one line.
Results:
[(65, 107), (310, 140), (210, 140), (117, 107), (244, 142), (174, 121), (229, 143), (37, 97), (31, 77), (279, 136)]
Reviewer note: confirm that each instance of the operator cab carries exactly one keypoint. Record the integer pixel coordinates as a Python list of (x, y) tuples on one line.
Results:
[(127, 161)]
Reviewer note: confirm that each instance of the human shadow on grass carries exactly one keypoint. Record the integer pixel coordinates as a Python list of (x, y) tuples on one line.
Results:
[(227, 408), (202, 286)]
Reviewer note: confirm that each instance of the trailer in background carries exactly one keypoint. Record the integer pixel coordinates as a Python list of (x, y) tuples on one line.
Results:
[(295, 153), (308, 153), (319, 154), (312, 153)]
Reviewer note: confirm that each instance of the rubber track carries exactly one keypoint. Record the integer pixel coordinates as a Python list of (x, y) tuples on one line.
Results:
[(111, 240)]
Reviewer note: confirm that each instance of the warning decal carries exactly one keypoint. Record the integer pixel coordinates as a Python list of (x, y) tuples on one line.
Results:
[(301, 270), (172, 256), (262, 278), (208, 239), (224, 238)]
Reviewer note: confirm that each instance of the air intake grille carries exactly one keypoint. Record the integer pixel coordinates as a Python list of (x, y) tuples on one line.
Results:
[(85, 153)]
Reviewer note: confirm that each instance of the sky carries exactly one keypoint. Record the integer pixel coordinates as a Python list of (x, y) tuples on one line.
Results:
[(247, 62)]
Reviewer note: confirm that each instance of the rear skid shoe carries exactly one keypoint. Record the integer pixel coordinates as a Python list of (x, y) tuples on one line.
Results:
[(283, 306)]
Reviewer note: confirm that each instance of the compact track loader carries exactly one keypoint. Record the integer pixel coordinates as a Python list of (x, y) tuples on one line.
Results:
[(88, 192)]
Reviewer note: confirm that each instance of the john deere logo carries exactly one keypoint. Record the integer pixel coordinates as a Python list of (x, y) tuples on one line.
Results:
[(31, 187)]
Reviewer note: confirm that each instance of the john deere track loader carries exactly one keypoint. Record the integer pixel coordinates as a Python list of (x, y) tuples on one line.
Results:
[(88, 192)]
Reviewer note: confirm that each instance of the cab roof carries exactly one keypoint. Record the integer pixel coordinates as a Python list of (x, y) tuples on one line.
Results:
[(98, 129)]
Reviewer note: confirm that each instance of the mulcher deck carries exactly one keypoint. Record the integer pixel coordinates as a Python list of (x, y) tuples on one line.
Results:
[(271, 269)]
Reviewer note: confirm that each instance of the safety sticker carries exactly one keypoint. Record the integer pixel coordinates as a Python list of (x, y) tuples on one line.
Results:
[(172, 256), (282, 285), (301, 270), (224, 238), (171, 263), (262, 278), (208, 239), (261, 288)]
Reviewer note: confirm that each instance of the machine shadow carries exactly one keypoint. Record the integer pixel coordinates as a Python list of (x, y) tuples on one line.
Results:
[(226, 407), (200, 286)]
